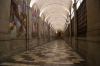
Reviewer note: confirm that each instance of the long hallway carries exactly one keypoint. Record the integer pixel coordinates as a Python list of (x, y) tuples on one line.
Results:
[(49, 32), (55, 53)]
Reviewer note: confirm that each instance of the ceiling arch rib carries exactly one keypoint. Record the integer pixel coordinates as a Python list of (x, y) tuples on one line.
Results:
[(54, 4), (56, 19), (54, 25), (43, 3), (57, 23), (55, 12), (53, 8)]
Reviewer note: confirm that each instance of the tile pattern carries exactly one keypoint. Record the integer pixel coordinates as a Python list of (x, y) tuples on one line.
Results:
[(55, 53)]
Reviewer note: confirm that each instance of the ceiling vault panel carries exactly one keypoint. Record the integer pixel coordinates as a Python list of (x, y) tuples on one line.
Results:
[(55, 12)]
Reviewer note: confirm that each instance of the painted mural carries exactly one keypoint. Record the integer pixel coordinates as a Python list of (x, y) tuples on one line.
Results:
[(18, 19), (35, 18), (42, 26)]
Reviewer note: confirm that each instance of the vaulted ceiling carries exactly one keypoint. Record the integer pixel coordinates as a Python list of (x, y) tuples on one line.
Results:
[(55, 11)]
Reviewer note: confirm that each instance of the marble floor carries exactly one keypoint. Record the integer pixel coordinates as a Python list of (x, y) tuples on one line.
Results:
[(55, 53)]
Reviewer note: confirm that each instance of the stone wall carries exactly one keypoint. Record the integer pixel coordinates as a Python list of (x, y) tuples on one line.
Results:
[(89, 47), (8, 46), (93, 34), (82, 46)]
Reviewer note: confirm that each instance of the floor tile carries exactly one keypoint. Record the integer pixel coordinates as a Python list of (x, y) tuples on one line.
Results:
[(55, 53)]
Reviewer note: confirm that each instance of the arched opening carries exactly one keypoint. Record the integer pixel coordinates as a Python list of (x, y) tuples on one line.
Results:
[(59, 34)]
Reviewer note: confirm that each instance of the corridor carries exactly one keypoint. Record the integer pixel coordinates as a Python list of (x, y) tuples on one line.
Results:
[(49, 32), (55, 53)]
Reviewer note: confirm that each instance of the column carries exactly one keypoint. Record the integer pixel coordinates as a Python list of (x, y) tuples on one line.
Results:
[(44, 32), (5, 45), (70, 28), (75, 25), (38, 30), (27, 36), (49, 32)]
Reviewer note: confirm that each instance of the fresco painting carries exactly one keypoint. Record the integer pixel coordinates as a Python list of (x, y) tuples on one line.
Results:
[(18, 19), (35, 17)]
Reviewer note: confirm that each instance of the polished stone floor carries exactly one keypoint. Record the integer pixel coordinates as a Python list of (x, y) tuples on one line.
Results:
[(55, 53)]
